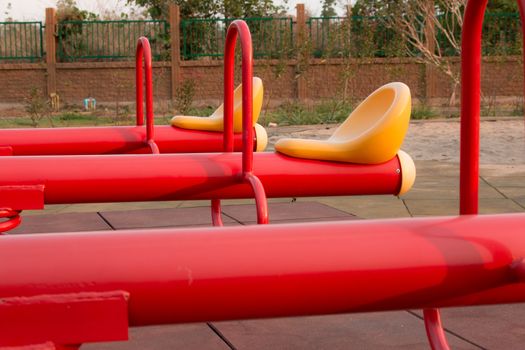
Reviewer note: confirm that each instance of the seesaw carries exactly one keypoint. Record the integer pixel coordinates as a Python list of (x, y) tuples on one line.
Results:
[(186, 135), (361, 157)]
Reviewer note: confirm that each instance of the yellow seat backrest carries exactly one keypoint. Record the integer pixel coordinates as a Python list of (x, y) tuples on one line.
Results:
[(372, 134), (215, 121)]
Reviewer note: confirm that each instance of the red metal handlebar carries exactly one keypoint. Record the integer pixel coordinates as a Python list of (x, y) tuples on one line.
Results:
[(240, 28), (143, 53), (261, 202), (435, 332)]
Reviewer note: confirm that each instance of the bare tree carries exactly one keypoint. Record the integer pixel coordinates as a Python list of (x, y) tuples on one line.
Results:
[(431, 34)]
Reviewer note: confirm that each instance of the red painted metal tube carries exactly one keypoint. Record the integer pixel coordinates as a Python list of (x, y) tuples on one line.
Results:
[(239, 28), (470, 105), (435, 332), (206, 274), (116, 178), (143, 55), (110, 140)]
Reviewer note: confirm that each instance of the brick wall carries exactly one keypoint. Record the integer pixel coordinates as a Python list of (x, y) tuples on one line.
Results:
[(359, 79), (17, 80), (109, 81)]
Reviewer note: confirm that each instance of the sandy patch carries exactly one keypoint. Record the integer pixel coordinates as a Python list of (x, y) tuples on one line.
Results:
[(502, 142)]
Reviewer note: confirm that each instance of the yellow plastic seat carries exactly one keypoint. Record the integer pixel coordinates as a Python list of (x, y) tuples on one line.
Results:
[(215, 121), (372, 134)]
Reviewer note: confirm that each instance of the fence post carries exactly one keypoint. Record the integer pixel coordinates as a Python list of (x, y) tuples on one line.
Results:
[(349, 19), (430, 34), (300, 42), (175, 49), (51, 55), (348, 10)]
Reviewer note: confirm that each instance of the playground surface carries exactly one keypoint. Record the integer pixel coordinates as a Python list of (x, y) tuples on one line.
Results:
[(435, 150)]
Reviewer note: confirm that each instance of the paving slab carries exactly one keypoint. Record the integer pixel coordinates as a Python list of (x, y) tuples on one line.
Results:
[(520, 201), (365, 207), (436, 181), (370, 331), (188, 217), (70, 222), (431, 207), (286, 212), (435, 168), (497, 327), (438, 207), (506, 181), (448, 191), (512, 192), (225, 202), (118, 206), (499, 206), (298, 221), (498, 170), (48, 209), (170, 337)]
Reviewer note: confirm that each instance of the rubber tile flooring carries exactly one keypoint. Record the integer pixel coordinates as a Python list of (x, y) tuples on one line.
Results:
[(488, 327)]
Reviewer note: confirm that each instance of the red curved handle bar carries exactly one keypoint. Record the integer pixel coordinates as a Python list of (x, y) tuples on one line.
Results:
[(216, 215), (240, 28), (261, 203), (143, 53), (435, 333)]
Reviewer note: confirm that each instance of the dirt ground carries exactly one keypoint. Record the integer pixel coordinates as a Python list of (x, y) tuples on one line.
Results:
[(502, 141)]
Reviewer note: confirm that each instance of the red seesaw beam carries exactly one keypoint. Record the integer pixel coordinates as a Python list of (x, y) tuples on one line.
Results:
[(109, 140), (121, 178), (205, 274)]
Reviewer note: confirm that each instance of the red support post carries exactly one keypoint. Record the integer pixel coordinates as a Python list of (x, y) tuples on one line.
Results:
[(470, 105)]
